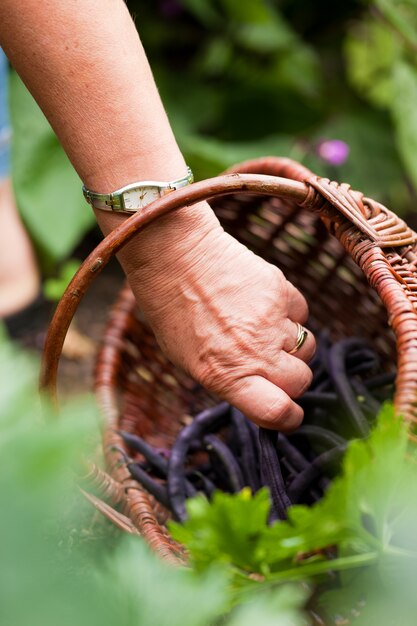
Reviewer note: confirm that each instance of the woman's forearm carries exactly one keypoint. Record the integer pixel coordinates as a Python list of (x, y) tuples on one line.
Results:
[(85, 65), (83, 62)]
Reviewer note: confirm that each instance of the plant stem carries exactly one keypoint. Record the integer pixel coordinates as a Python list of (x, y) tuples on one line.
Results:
[(304, 571)]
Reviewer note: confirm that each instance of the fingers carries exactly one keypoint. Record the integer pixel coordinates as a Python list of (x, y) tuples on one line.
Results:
[(292, 375), (297, 305), (306, 351), (264, 403)]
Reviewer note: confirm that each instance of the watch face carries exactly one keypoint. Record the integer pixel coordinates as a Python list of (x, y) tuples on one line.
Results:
[(140, 197)]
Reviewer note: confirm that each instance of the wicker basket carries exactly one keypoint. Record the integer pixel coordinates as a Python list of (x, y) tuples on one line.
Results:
[(353, 259)]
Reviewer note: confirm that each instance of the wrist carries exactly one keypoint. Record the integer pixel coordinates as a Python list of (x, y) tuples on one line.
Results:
[(166, 248), (150, 161)]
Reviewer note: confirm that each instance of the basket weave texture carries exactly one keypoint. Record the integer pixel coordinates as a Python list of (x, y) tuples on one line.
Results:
[(353, 259)]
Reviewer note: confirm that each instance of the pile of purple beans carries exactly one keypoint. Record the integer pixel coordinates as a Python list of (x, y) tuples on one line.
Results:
[(222, 449)]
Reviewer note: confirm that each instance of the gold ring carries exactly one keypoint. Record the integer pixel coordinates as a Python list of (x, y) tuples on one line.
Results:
[(302, 335)]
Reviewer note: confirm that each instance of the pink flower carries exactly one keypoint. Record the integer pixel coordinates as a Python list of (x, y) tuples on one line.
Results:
[(333, 151)]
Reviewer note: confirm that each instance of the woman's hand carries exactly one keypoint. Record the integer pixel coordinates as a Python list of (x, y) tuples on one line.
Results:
[(224, 315)]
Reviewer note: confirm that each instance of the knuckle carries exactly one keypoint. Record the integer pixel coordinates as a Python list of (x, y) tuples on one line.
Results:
[(295, 421), (215, 377), (289, 418), (300, 382), (211, 377)]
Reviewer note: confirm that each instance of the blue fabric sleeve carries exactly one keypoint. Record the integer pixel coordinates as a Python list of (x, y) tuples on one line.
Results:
[(5, 131)]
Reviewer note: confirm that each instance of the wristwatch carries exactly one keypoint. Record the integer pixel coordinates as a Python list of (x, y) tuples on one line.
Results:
[(135, 196)]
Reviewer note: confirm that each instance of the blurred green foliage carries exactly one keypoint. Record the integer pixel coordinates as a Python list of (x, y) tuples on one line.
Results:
[(62, 565), (249, 78), (58, 566), (54, 288)]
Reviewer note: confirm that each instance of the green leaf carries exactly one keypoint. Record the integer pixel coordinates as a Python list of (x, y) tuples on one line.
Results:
[(258, 26), (404, 113), (209, 156), (148, 592), (299, 70), (47, 187), (204, 11), (401, 17), (371, 52), (226, 531), (363, 600), (54, 288), (282, 608)]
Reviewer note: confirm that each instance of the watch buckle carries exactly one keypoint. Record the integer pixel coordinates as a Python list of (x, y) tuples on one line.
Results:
[(114, 202)]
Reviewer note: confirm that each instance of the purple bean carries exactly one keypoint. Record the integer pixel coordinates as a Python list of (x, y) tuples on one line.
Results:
[(360, 369), (324, 385), (190, 490), (320, 379), (289, 467), (380, 380), (248, 452), (362, 360), (321, 463), (320, 435), (370, 401), (337, 370), (321, 398), (222, 454), (363, 355), (208, 487), (271, 472), (151, 455), (158, 491), (296, 458), (204, 421), (254, 433)]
